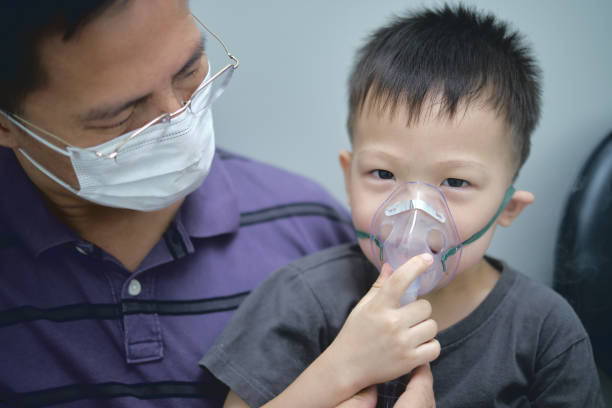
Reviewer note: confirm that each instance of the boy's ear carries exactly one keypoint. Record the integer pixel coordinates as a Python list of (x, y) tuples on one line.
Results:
[(346, 158), (7, 133), (520, 199)]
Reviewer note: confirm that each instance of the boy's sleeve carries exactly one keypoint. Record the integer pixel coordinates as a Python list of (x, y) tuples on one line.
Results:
[(274, 335), (566, 374)]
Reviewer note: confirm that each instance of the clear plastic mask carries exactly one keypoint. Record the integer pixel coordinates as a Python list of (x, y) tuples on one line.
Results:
[(415, 219)]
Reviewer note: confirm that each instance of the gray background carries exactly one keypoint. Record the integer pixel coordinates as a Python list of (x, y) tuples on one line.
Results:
[(286, 104)]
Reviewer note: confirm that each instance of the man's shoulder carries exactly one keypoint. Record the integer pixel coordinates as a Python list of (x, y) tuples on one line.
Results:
[(260, 185)]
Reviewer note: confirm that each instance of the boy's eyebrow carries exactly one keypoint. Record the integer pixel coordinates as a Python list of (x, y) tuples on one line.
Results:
[(453, 163), (460, 163), (377, 153), (110, 111)]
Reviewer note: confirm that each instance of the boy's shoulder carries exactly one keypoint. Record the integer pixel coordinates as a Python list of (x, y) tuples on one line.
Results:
[(540, 302), (520, 298), (293, 315), (519, 312), (526, 344), (341, 271), (345, 254), (545, 313)]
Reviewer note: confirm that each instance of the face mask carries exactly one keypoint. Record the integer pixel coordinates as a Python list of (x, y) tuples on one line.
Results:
[(156, 168), (415, 219)]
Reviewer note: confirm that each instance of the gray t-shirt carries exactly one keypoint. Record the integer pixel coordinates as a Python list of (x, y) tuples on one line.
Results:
[(522, 346)]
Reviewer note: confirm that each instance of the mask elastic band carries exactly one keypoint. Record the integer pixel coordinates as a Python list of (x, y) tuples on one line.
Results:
[(48, 173), (505, 201), (35, 136), (361, 234)]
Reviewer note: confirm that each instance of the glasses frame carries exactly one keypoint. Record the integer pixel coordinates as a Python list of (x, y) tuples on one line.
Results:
[(165, 117)]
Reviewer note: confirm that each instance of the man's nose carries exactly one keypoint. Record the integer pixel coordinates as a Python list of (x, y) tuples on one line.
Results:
[(170, 101)]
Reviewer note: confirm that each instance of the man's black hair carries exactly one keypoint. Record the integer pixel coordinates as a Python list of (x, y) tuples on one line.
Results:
[(23, 24), (453, 53)]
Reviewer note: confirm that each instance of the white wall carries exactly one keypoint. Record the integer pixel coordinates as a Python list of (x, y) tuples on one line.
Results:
[(287, 102)]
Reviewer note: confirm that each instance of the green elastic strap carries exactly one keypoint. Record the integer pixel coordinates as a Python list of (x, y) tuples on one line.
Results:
[(361, 234), (505, 201)]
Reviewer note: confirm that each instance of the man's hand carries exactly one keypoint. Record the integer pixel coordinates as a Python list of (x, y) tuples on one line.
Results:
[(382, 340), (419, 393), (364, 399)]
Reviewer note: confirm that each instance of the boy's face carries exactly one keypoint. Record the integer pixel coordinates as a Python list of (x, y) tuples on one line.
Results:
[(470, 158)]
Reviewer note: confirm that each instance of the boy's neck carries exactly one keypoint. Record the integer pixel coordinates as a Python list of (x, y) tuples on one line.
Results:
[(463, 294)]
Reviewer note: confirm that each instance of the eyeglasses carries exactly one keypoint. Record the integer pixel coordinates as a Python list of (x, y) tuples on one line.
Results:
[(201, 99)]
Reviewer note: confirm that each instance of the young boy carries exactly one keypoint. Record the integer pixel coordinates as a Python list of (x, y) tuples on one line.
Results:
[(447, 97)]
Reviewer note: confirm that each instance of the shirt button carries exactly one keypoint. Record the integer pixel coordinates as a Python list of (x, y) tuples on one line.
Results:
[(80, 250), (134, 287)]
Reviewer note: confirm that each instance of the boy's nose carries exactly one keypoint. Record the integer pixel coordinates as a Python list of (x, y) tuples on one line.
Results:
[(435, 241)]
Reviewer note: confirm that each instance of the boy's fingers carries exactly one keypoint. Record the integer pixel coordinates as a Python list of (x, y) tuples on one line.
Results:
[(419, 391), (366, 398), (395, 287), (428, 351), (416, 312), (385, 272), (422, 332)]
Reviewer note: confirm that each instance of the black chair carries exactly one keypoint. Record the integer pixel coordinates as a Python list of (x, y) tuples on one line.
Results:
[(583, 259)]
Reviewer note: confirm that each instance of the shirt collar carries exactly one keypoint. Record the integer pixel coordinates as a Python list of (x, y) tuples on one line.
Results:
[(213, 208), (209, 211)]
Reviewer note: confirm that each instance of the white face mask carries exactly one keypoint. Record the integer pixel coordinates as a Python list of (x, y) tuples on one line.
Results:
[(153, 170)]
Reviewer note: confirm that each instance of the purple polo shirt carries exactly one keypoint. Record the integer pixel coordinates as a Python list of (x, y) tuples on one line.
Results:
[(78, 330)]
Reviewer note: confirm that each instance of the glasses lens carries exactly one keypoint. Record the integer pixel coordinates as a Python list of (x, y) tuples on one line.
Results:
[(203, 98)]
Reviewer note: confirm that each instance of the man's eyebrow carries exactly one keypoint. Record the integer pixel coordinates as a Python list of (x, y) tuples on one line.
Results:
[(107, 112), (195, 56)]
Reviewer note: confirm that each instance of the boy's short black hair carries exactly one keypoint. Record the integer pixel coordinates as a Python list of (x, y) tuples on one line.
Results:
[(454, 53), (23, 24)]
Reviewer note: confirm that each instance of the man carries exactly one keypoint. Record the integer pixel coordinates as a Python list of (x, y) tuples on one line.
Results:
[(126, 238)]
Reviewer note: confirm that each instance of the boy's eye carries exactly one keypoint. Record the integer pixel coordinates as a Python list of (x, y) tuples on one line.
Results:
[(383, 174), (455, 183)]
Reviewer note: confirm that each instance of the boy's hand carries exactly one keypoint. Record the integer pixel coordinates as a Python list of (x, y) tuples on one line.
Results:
[(380, 339)]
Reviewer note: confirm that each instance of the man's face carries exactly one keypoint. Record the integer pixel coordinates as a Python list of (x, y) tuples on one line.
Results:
[(134, 62), (469, 158)]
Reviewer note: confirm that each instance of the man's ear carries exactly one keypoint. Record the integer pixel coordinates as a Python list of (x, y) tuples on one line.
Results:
[(520, 199), (346, 158), (8, 130)]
